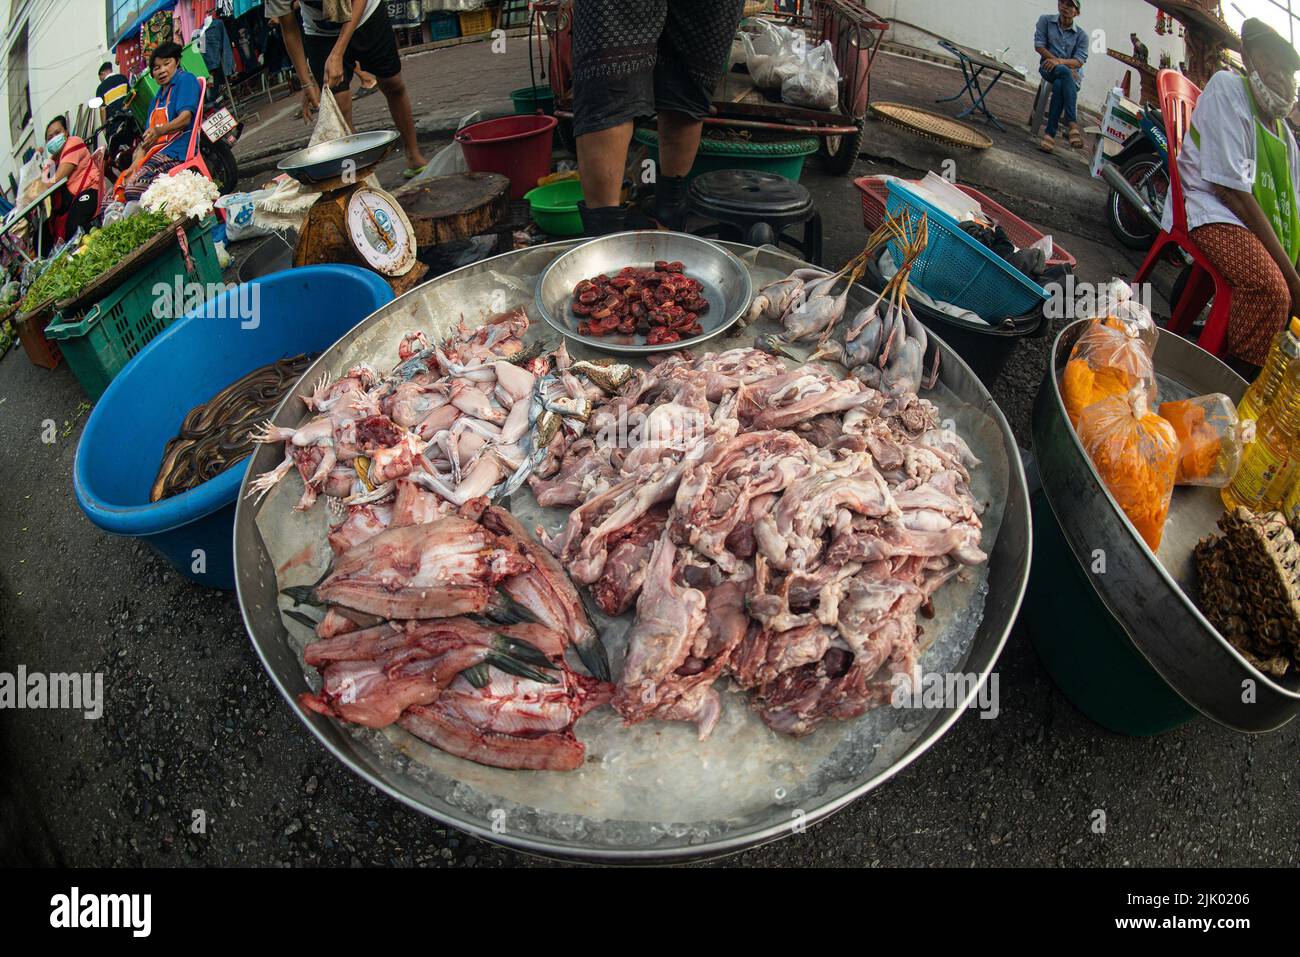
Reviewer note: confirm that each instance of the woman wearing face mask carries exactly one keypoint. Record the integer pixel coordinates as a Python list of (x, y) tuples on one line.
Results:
[(1240, 171), (76, 204)]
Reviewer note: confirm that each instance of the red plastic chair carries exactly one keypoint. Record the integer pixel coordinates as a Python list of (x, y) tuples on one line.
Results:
[(194, 158), (97, 160), (1178, 96)]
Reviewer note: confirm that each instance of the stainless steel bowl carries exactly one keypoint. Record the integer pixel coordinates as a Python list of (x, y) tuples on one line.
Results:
[(325, 161), (1149, 594), (727, 285), (454, 794)]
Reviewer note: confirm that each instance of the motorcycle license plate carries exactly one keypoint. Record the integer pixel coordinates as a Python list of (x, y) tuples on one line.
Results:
[(218, 125)]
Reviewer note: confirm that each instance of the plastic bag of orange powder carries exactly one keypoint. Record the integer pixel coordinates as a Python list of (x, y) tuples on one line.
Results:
[(1136, 453), (1107, 360), (1211, 438)]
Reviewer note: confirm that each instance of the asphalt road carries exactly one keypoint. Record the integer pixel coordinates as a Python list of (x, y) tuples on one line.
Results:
[(193, 730)]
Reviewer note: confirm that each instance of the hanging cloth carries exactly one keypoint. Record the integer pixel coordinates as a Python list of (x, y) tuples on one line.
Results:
[(157, 30)]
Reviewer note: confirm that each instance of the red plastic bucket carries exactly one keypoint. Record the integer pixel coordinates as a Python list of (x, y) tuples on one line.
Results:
[(515, 146)]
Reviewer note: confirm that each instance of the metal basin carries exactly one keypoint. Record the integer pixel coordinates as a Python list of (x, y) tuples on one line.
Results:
[(727, 285), (468, 796), (1149, 594), (326, 161)]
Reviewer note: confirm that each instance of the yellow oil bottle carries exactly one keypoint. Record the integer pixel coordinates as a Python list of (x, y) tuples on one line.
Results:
[(1291, 503), (1269, 464), (1285, 349)]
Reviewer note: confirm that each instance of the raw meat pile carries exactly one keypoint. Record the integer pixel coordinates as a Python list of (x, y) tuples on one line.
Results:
[(423, 629), (663, 304), (781, 527), (467, 418), (439, 612)]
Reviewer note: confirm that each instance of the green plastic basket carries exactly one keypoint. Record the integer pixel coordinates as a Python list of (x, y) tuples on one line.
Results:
[(99, 344)]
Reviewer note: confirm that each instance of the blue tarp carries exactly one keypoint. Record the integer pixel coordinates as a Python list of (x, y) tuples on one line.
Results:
[(133, 29)]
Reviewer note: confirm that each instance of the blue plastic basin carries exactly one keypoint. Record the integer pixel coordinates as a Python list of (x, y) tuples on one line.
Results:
[(299, 310)]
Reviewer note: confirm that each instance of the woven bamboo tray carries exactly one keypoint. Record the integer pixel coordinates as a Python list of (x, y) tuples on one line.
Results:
[(931, 126)]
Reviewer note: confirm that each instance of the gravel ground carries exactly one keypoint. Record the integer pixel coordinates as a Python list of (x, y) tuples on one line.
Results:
[(193, 729)]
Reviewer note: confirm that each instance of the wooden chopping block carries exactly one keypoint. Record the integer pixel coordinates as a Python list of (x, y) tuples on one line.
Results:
[(458, 206)]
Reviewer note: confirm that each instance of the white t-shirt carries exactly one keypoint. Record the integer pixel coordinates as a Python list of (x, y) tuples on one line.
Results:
[(313, 19), (1224, 121)]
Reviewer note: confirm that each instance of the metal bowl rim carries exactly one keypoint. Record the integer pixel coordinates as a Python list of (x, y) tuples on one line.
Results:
[(1018, 495), (1153, 560), (643, 350), (291, 164)]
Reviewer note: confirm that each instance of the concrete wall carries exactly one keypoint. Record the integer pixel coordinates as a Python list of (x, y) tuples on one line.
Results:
[(997, 25), (66, 42)]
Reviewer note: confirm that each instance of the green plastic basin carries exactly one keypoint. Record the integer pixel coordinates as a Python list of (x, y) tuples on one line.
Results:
[(1083, 647), (530, 99), (783, 157), (555, 207)]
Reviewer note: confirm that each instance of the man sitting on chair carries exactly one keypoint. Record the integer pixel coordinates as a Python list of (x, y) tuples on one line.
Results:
[(1240, 173), (1063, 46)]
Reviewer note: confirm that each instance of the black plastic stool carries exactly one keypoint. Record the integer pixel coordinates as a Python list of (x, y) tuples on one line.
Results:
[(756, 208)]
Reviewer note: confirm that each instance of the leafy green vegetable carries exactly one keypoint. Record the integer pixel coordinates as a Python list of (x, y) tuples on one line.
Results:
[(102, 250)]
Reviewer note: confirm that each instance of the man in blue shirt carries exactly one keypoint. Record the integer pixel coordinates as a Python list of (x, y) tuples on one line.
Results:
[(1063, 46), (171, 120)]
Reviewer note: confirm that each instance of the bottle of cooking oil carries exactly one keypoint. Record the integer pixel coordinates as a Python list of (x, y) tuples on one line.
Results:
[(1285, 349), (1291, 503), (1269, 464)]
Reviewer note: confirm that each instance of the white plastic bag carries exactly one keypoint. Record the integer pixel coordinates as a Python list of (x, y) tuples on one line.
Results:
[(239, 209), (450, 159), (815, 82), (31, 180), (775, 56)]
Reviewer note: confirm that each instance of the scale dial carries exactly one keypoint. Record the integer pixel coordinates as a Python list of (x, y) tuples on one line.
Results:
[(380, 232)]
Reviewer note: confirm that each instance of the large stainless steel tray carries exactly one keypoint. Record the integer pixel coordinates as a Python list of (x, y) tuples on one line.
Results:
[(326, 161), (726, 281), (451, 790), (1150, 594)]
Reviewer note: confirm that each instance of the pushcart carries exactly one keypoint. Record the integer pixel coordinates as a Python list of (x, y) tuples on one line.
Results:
[(855, 34)]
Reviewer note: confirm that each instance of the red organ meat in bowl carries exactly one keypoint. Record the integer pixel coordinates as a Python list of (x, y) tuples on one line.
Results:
[(663, 304)]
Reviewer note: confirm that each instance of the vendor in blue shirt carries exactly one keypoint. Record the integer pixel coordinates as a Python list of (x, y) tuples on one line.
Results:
[(171, 121), (1063, 46)]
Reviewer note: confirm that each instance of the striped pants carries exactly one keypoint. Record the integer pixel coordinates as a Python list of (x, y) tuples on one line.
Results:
[(1261, 301)]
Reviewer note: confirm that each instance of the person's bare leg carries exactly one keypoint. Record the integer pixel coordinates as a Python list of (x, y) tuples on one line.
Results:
[(368, 80), (399, 105), (602, 158), (679, 141), (344, 100)]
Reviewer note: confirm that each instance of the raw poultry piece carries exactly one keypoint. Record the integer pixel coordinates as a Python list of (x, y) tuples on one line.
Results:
[(447, 567), (823, 553), (455, 626), (510, 722)]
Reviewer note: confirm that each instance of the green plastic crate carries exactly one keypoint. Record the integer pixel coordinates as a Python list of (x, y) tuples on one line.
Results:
[(99, 344)]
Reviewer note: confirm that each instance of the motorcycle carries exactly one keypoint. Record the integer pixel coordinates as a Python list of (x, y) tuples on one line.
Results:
[(1138, 177), (221, 131)]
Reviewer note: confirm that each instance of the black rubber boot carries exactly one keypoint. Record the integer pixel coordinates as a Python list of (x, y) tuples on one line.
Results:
[(602, 220), (670, 202)]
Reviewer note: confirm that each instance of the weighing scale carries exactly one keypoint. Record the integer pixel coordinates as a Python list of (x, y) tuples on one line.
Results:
[(354, 222)]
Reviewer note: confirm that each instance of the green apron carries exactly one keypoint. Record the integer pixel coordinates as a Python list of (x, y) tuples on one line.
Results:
[(1273, 189)]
